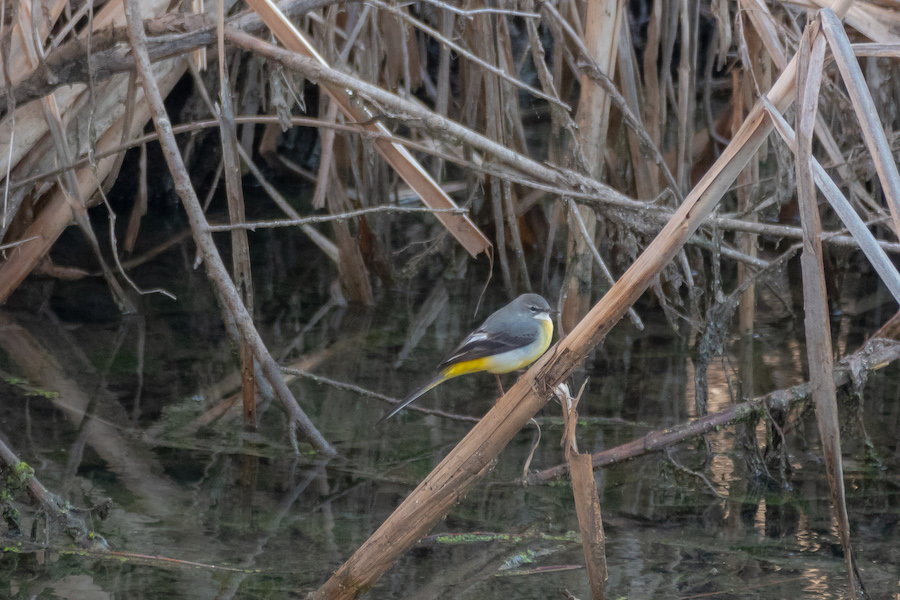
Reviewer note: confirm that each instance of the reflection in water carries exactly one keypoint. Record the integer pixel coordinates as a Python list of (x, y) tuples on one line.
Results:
[(123, 423), (759, 523), (817, 583)]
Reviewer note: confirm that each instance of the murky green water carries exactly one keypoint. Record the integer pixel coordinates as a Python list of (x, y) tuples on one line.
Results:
[(250, 520)]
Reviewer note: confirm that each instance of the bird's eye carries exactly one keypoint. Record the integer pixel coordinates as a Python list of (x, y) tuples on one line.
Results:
[(534, 309)]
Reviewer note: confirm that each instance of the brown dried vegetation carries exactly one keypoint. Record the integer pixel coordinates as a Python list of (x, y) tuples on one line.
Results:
[(634, 138)]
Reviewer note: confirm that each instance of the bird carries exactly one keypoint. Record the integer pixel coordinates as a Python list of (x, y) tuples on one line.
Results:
[(512, 338)]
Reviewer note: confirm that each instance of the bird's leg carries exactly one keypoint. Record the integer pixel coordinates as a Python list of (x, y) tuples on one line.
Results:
[(499, 385)]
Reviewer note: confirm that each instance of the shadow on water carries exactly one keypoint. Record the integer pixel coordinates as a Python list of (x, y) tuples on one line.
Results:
[(136, 410)]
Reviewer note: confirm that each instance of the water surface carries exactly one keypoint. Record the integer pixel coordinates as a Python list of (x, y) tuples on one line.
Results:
[(108, 407)]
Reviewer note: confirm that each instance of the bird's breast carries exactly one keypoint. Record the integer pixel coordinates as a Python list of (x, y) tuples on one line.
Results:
[(524, 356)]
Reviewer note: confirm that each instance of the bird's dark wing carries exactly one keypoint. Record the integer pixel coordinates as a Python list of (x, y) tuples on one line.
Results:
[(481, 343)]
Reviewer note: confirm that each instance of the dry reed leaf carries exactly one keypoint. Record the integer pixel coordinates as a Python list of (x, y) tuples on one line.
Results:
[(69, 182), (19, 64), (30, 125), (841, 206), (875, 22), (768, 30), (872, 131), (109, 116)]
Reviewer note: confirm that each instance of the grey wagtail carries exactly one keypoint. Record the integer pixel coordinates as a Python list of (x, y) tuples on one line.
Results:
[(512, 338)]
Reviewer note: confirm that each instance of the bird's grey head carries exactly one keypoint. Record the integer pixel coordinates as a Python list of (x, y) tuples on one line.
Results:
[(533, 305)]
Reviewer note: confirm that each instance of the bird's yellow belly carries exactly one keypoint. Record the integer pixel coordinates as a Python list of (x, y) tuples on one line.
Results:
[(507, 361), (522, 357)]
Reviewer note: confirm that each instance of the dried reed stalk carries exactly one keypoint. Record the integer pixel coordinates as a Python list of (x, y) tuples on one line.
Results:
[(352, 268), (861, 98), (57, 213), (584, 490), (748, 242), (234, 193), (603, 22), (815, 298), (57, 511), (24, 152), (578, 184), (69, 185), (864, 238)]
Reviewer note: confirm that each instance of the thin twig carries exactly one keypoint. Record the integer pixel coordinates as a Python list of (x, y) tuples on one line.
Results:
[(693, 473), (18, 243), (657, 213), (480, 11), (254, 225), (370, 394)]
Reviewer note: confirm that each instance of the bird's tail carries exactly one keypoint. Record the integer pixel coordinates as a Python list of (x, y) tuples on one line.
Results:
[(439, 379)]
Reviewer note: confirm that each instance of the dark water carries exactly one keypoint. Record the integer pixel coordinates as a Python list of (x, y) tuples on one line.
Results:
[(106, 407)]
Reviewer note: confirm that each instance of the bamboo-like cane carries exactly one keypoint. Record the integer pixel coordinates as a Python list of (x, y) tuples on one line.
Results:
[(234, 193), (587, 499), (815, 297)]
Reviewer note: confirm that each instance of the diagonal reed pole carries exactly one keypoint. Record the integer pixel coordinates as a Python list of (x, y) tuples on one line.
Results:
[(819, 351)]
